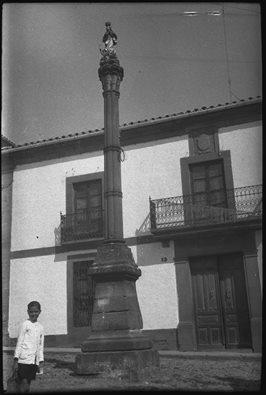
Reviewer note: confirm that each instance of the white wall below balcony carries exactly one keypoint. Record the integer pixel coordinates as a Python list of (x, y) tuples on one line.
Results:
[(44, 278), (156, 287), (157, 295)]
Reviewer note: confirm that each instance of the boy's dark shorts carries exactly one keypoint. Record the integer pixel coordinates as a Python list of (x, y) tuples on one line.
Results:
[(27, 371)]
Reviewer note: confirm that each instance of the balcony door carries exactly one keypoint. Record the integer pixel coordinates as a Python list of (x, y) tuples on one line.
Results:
[(88, 207), (208, 190), (220, 302)]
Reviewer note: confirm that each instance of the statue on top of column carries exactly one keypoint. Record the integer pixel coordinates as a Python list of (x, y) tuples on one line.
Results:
[(109, 40)]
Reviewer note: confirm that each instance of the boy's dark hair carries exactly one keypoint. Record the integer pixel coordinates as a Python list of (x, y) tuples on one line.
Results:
[(34, 303)]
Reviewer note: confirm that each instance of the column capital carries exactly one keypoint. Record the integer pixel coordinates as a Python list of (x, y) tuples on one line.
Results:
[(110, 73)]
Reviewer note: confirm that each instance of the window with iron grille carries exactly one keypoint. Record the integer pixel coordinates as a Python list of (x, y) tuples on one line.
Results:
[(84, 208), (82, 294)]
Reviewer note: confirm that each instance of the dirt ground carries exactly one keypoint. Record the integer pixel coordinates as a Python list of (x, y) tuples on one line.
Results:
[(177, 374)]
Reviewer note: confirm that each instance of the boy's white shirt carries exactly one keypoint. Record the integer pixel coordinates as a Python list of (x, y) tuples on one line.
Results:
[(30, 343)]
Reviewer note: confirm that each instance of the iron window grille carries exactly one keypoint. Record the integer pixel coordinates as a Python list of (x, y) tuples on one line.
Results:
[(83, 294)]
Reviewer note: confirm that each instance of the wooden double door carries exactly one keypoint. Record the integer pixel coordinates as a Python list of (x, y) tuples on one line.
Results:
[(220, 302)]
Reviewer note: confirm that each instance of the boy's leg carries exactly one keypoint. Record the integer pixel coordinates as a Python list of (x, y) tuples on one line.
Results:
[(25, 385)]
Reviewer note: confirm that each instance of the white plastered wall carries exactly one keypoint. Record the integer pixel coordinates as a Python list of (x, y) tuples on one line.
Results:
[(45, 279), (156, 287), (42, 279), (39, 189), (245, 143), (157, 296), (151, 169), (39, 194)]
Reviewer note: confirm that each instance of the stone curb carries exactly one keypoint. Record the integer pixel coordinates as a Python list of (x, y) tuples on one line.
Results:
[(212, 355)]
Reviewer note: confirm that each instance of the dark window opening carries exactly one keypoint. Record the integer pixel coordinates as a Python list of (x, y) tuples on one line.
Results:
[(83, 293)]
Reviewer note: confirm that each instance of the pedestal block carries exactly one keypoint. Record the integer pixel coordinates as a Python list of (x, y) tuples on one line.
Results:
[(116, 304), (116, 338)]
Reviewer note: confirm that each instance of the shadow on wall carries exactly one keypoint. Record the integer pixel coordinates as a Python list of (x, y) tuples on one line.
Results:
[(145, 227), (143, 236), (57, 235), (147, 255)]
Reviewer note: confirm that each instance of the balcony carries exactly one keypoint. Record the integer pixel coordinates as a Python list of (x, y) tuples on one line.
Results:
[(180, 213), (82, 225)]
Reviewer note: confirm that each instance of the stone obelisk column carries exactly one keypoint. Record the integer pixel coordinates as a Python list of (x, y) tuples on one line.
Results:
[(116, 338)]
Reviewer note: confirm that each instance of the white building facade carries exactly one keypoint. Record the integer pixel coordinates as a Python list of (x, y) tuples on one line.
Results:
[(192, 213)]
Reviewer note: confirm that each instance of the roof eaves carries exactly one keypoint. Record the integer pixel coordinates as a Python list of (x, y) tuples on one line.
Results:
[(196, 111), (56, 140), (131, 125)]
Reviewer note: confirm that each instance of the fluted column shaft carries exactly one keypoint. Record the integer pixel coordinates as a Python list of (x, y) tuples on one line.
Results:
[(111, 74), (113, 226)]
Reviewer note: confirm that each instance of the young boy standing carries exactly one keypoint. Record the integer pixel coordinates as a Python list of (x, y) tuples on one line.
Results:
[(28, 357)]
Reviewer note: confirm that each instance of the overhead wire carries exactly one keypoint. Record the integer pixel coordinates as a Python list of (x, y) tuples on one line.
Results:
[(231, 93), (216, 12), (243, 9), (221, 12)]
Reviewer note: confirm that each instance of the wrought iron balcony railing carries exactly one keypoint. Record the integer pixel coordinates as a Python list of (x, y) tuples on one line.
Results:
[(81, 225), (181, 211)]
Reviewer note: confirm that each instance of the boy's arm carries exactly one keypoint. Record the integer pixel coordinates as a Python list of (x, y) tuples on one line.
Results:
[(19, 341), (41, 357)]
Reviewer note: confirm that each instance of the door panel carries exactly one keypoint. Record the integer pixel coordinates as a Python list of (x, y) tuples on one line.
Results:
[(220, 302), (234, 301), (205, 282), (229, 308)]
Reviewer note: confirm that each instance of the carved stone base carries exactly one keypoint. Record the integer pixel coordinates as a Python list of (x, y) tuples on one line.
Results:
[(116, 335), (116, 304)]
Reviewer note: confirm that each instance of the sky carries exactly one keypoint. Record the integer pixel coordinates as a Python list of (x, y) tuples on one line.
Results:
[(173, 60)]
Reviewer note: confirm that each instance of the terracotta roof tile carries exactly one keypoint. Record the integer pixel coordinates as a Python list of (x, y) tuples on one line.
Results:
[(195, 110)]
